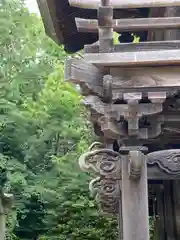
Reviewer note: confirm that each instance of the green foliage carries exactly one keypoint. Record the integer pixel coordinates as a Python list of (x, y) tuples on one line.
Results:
[(43, 131)]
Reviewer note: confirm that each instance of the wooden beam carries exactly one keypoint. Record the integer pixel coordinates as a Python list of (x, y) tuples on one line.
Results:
[(133, 47), (80, 71), (91, 25), (144, 58), (88, 76), (134, 203), (145, 77), (94, 4)]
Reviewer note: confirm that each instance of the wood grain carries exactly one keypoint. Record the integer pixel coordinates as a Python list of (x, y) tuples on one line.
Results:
[(94, 4), (139, 24), (144, 58), (134, 204), (145, 77), (133, 47)]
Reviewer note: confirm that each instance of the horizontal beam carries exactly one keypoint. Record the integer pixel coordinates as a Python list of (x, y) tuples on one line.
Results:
[(88, 76), (144, 58), (91, 25), (133, 47), (80, 71), (94, 4)]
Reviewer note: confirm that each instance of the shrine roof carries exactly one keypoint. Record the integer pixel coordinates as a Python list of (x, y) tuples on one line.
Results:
[(59, 22)]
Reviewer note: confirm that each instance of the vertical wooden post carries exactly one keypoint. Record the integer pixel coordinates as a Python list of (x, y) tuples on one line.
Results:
[(2, 220), (135, 203), (6, 201), (105, 17)]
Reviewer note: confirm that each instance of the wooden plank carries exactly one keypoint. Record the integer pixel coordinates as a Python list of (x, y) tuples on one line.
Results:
[(136, 24), (133, 47), (105, 18), (154, 173), (127, 80), (150, 58), (79, 70), (134, 204), (145, 77), (94, 4), (88, 76)]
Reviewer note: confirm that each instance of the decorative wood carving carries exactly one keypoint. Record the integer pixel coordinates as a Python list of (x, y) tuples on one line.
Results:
[(116, 111), (167, 160), (163, 164), (105, 188), (107, 88), (111, 117), (103, 161), (107, 194), (136, 161)]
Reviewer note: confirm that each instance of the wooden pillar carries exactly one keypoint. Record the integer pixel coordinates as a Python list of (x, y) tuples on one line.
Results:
[(105, 17), (135, 201), (6, 201), (2, 221)]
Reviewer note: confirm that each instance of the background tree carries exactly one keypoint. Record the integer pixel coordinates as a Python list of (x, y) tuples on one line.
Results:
[(42, 133)]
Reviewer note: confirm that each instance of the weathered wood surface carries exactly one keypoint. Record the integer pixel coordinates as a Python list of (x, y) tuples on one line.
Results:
[(176, 199), (159, 224), (6, 201), (88, 76), (150, 79), (133, 47), (149, 58), (105, 18), (162, 165), (91, 25), (116, 111), (169, 211), (94, 4), (134, 204), (145, 77)]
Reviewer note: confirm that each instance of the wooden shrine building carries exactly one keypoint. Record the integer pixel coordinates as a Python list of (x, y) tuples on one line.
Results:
[(132, 91)]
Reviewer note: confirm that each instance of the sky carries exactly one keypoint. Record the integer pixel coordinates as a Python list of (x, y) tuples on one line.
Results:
[(32, 5)]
